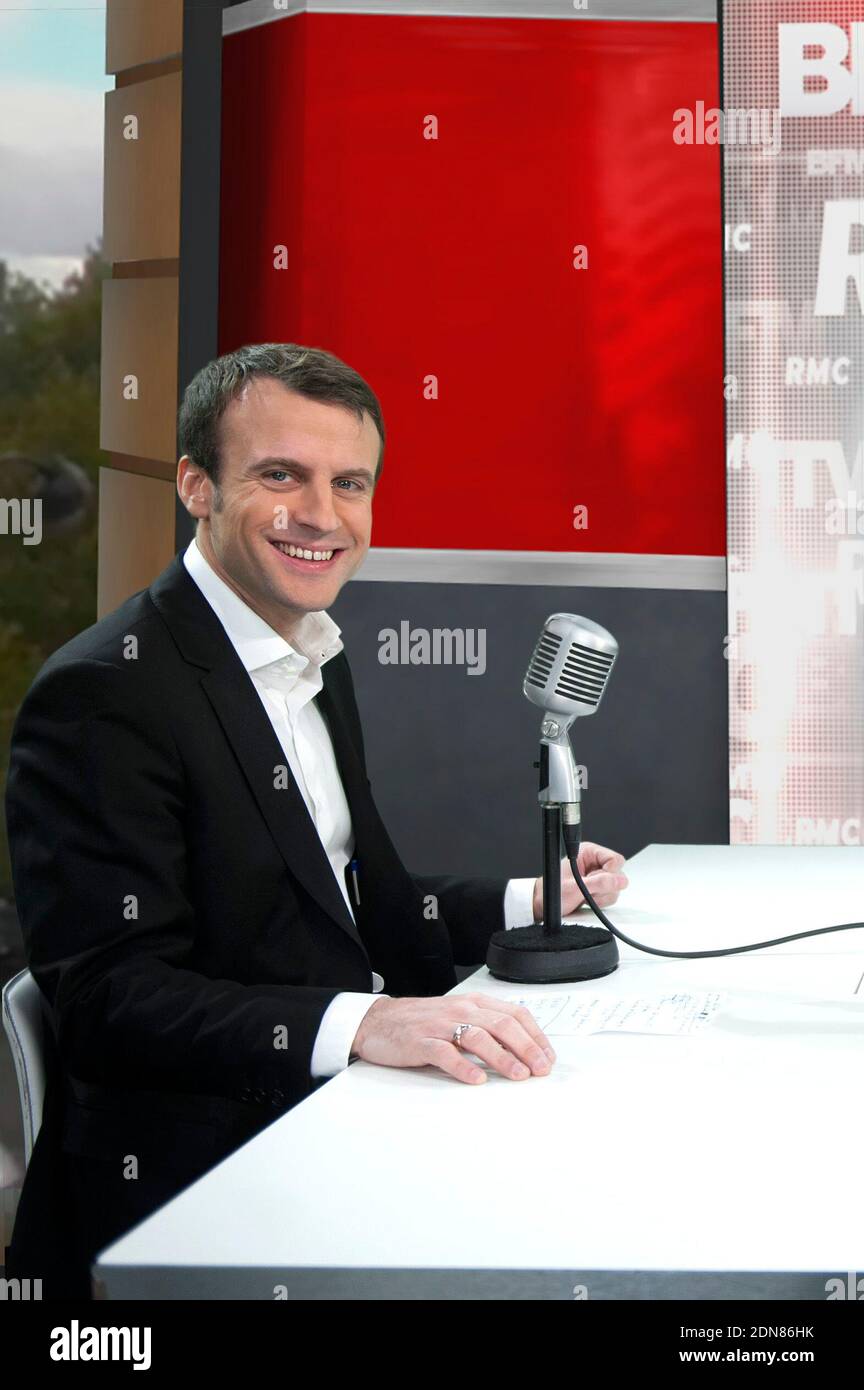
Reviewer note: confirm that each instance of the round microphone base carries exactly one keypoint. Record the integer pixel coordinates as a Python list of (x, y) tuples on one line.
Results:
[(532, 956)]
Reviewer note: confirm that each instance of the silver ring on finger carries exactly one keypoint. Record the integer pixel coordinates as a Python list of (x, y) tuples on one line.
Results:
[(459, 1030)]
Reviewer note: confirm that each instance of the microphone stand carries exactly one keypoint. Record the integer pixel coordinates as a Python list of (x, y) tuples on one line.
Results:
[(551, 816), (552, 951)]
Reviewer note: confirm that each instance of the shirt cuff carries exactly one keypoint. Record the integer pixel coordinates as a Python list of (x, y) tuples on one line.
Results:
[(337, 1031), (519, 903)]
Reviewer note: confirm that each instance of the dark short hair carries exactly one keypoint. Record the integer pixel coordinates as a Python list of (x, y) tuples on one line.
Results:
[(311, 372)]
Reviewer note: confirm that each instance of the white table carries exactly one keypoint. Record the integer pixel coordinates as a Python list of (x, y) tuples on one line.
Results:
[(726, 1164)]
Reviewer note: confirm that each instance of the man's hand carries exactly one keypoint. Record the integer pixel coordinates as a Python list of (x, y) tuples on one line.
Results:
[(601, 870), (419, 1033)]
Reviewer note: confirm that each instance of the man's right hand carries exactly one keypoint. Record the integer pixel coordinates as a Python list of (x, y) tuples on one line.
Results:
[(419, 1033)]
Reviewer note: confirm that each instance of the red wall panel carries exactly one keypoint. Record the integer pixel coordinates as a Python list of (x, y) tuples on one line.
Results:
[(454, 257)]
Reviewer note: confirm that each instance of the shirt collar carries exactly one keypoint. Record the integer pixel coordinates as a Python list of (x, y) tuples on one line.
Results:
[(315, 640)]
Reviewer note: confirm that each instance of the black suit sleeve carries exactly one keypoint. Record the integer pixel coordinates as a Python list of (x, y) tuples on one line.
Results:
[(95, 807), (473, 908)]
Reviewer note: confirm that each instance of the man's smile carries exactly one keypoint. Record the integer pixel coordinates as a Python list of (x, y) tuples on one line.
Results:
[(307, 559)]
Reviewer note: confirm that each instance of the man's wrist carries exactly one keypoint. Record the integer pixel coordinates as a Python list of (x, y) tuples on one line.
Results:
[(336, 1032), (354, 1055)]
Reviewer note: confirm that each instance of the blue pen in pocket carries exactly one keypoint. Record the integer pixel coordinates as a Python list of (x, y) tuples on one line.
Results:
[(352, 869)]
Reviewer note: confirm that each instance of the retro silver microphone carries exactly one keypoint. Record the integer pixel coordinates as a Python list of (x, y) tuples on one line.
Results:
[(566, 678)]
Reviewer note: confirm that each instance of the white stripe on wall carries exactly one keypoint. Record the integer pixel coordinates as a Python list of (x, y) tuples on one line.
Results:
[(600, 571), (255, 12)]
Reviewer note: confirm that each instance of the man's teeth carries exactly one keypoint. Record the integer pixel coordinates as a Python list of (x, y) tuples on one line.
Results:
[(303, 554)]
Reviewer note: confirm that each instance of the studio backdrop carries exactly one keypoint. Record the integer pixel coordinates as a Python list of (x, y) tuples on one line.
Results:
[(484, 208)]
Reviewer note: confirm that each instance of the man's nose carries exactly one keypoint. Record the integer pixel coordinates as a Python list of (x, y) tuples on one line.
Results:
[(314, 507)]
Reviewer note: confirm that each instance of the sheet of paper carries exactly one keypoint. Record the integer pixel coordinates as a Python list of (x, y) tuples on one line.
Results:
[(671, 1014)]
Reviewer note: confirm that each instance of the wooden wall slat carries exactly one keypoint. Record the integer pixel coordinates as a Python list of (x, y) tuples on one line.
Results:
[(142, 174), (139, 338), (136, 534), (142, 31)]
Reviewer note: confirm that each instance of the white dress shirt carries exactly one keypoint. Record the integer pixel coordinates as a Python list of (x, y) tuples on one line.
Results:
[(287, 677)]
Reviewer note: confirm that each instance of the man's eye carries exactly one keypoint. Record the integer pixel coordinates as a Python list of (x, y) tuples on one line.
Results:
[(352, 482), (277, 473)]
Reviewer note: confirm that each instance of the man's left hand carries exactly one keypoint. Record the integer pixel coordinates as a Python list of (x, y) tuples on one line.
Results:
[(601, 870)]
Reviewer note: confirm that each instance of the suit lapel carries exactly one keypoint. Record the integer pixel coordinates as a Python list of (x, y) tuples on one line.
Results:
[(380, 863), (332, 705), (247, 727), (250, 733)]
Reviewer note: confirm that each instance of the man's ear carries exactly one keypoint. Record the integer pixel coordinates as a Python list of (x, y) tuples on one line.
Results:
[(194, 488)]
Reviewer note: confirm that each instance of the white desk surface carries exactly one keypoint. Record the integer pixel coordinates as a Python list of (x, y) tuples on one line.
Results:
[(726, 1151)]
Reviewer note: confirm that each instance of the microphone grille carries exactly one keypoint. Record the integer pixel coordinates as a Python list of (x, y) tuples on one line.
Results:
[(542, 663), (571, 663), (584, 674)]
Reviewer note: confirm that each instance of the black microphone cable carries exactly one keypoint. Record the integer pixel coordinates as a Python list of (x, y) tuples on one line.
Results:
[(572, 840)]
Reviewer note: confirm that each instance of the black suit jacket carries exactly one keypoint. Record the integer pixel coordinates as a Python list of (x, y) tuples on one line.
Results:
[(182, 919)]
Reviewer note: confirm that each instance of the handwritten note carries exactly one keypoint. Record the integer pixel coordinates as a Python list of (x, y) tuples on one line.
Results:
[(670, 1014)]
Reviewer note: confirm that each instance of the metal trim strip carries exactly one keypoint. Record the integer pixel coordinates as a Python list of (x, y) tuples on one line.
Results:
[(256, 12), (553, 568)]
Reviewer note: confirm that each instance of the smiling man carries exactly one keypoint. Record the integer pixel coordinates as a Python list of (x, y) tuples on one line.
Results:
[(211, 904), (287, 519)]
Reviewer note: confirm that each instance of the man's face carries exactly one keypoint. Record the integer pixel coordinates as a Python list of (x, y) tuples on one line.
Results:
[(295, 476)]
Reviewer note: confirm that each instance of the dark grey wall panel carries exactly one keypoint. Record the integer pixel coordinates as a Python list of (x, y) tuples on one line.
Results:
[(200, 174), (450, 754)]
